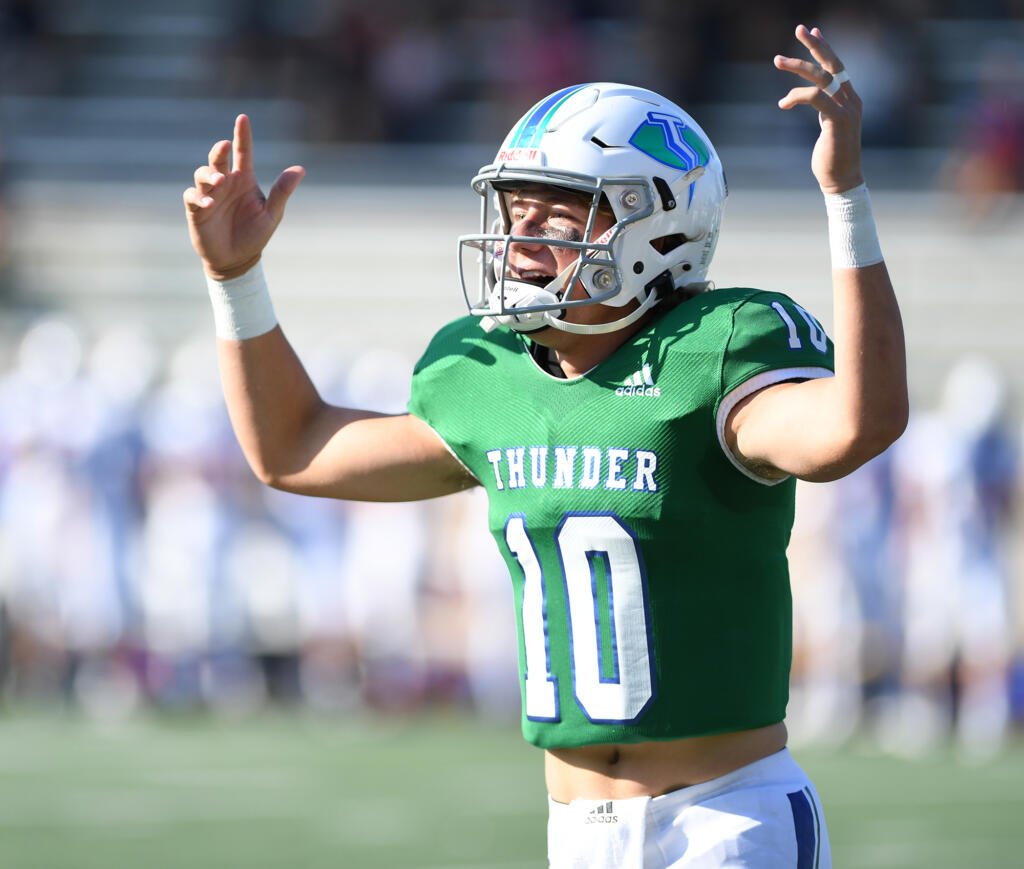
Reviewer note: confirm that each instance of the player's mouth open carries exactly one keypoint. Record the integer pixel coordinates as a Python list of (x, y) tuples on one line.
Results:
[(531, 276)]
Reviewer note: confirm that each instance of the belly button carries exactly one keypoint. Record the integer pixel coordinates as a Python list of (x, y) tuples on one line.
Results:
[(614, 759)]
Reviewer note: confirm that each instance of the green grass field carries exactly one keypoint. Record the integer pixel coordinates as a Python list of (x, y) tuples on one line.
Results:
[(282, 791)]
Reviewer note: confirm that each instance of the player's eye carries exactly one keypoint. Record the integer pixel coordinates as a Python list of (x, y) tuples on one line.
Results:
[(566, 217)]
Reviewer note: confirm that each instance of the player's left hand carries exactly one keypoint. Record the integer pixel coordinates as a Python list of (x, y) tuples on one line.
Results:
[(836, 160)]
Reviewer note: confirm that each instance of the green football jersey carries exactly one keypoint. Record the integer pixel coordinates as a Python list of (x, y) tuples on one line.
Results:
[(649, 567)]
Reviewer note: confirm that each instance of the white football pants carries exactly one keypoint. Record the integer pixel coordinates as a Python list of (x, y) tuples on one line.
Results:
[(762, 816)]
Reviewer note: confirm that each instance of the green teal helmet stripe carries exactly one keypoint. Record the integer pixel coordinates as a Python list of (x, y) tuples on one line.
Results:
[(535, 123)]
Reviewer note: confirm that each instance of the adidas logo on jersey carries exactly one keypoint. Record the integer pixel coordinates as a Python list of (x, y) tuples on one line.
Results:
[(603, 814), (640, 383)]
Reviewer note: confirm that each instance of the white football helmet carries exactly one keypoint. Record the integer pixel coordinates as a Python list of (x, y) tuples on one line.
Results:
[(628, 149)]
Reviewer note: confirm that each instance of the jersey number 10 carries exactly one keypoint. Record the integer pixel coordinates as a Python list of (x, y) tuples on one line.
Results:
[(607, 619)]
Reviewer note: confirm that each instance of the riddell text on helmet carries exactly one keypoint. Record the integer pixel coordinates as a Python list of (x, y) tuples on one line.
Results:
[(520, 155)]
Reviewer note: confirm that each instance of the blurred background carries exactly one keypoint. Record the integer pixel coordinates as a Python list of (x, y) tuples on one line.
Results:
[(144, 571)]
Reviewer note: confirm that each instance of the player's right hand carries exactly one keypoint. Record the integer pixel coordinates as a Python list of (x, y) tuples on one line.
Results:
[(229, 219)]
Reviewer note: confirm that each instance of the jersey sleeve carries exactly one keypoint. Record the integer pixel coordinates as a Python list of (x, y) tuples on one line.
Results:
[(426, 393), (456, 388), (772, 340), (435, 389)]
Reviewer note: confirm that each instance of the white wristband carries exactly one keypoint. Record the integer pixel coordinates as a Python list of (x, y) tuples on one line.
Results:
[(852, 237), (241, 306)]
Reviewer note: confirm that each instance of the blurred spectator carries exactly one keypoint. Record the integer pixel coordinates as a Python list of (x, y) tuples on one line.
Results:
[(825, 699), (864, 536), (678, 42), (383, 566), (956, 471), (58, 571), (409, 73), (268, 49), (30, 59), (184, 608), (467, 554), (5, 248), (539, 51), (343, 104), (988, 162), (879, 49), (846, 604)]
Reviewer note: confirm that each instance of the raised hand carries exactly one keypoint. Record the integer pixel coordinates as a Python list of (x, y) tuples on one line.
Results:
[(230, 221), (836, 159)]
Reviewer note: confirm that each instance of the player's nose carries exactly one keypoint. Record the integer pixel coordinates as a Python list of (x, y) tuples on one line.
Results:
[(526, 227)]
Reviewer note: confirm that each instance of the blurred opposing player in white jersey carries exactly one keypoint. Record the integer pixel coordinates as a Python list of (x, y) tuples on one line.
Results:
[(638, 440), (956, 469)]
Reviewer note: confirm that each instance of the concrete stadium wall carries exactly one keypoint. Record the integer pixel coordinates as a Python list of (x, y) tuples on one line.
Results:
[(358, 267)]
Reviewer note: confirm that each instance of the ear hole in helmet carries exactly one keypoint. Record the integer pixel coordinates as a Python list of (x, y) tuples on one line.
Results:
[(667, 243)]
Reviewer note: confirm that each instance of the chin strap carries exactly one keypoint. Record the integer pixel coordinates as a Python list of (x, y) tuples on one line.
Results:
[(602, 328)]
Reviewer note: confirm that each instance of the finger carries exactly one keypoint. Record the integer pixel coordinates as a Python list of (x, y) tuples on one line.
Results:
[(820, 50), (218, 158), (241, 145), (196, 200), (836, 85), (803, 68), (206, 178), (811, 96), (282, 190)]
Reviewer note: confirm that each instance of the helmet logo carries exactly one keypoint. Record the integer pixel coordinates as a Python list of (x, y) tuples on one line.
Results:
[(667, 139)]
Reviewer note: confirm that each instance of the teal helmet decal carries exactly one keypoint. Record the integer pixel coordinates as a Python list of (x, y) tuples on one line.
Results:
[(667, 139)]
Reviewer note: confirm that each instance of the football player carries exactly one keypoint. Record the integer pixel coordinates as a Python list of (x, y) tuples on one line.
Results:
[(637, 435)]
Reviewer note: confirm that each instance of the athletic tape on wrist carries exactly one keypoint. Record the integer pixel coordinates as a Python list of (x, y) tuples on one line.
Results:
[(241, 306), (852, 237)]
